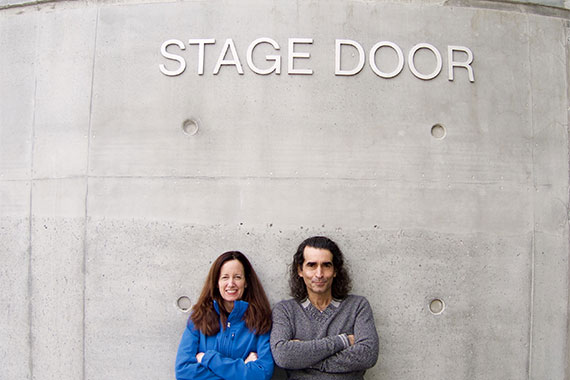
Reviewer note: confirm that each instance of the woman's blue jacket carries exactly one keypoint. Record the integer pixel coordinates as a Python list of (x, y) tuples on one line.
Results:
[(225, 352)]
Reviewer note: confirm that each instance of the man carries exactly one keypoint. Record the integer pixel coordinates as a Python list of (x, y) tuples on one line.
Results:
[(323, 333)]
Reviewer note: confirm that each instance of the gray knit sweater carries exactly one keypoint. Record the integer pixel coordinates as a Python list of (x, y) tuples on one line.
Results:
[(322, 350)]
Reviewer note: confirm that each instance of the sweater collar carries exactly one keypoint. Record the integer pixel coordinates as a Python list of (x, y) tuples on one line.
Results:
[(238, 311), (306, 303)]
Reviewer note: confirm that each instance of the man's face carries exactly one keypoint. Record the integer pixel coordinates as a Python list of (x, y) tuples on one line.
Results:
[(317, 271)]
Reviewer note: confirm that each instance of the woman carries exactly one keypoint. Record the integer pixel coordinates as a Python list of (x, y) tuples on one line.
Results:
[(227, 335)]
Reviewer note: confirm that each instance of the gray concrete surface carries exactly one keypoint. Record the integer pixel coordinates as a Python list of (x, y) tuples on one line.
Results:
[(561, 4), (109, 212)]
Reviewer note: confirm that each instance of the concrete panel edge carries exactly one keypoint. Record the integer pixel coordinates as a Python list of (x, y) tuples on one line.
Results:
[(556, 8), (543, 9), (567, 369)]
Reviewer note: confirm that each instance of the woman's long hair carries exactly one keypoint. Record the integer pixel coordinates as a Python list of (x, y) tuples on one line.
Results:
[(258, 315)]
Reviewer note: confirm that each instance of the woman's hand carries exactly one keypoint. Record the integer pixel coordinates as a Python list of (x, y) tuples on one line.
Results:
[(251, 357), (199, 356)]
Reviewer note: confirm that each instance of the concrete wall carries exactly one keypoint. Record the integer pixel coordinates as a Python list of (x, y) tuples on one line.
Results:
[(109, 211)]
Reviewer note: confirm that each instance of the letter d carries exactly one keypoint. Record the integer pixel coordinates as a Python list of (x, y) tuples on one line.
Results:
[(338, 47)]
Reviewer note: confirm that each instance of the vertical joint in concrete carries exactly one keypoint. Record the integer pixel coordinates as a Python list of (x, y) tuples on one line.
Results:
[(85, 224), (567, 369)]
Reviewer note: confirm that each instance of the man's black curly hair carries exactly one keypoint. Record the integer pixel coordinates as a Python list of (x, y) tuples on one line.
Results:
[(341, 285)]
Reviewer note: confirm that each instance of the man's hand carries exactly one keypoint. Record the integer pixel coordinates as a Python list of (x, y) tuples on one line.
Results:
[(351, 339), (251, 357), (199, 356)]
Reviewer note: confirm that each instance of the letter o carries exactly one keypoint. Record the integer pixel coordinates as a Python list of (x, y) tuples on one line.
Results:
[(412, 66), (375, 68)]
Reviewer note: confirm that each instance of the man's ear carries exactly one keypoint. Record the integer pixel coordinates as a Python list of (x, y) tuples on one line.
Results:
[(300, 271)]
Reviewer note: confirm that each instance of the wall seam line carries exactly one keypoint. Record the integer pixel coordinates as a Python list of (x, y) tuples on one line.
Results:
[(86, 215), (566, 26), (30, 222), (533, 239), (30, 242)]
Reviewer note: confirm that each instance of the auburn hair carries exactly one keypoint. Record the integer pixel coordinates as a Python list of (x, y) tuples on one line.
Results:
[(258, 314)]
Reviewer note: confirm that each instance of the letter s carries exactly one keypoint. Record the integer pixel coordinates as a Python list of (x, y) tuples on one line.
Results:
[(174, 57)]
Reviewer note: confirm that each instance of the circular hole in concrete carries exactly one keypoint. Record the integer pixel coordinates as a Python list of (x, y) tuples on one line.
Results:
[(190, 127), (184, 304), (436, 306), (438, 131)]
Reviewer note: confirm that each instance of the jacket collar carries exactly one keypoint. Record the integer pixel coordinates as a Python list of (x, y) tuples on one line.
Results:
[(237, 313)]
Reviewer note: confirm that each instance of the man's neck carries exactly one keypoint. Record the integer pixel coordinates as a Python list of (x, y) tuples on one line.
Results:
[(320, 301)]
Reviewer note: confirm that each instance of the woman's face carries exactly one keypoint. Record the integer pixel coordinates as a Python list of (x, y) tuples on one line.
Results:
[(231, 283)]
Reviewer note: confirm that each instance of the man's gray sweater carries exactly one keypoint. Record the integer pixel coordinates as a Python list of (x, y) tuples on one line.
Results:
[(310, 344)]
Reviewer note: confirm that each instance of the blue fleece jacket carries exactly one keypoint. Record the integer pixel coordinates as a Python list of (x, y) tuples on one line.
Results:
[(225, 352)]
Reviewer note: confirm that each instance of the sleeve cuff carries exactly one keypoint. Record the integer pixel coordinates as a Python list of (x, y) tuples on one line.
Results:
[(345, 340), (208, 355)]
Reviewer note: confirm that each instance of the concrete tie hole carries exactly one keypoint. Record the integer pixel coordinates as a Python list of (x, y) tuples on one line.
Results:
[(184, 304), (190, 127), (436, 306), (438, 131)]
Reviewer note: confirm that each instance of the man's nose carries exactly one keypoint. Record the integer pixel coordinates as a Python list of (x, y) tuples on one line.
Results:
[(319, 272)]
